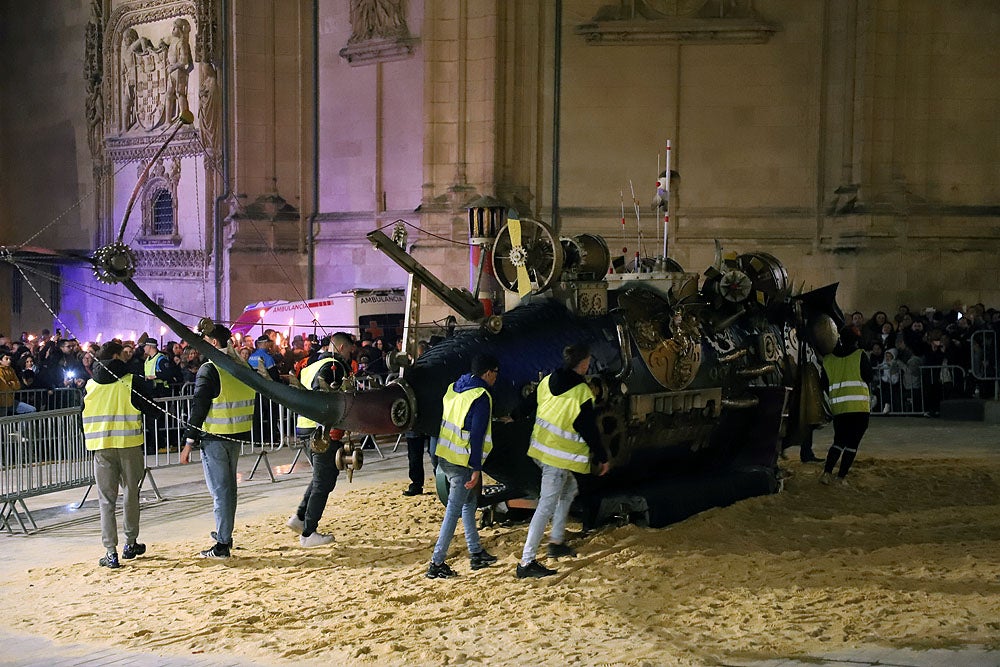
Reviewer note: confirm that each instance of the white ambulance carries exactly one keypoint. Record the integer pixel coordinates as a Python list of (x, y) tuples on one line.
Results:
[(366, 313)]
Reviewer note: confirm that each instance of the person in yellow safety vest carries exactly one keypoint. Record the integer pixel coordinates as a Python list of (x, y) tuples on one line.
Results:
[(564, 441), (113, 408), (464, 442), (157, 368), (221, 418), (847, 375), (330, 369)]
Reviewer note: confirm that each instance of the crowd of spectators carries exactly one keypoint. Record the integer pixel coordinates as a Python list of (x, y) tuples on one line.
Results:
[(922, 358), (51, 370)]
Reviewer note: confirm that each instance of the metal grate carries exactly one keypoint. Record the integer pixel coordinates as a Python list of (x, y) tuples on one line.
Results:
[(163, 214)]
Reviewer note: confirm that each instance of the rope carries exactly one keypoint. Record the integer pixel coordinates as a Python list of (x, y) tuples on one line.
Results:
[(97, 183)]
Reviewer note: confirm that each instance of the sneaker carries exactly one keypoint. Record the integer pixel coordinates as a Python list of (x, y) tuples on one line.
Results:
[(826, 478), (561, 550), (220, 550), (442, 571), (413, 491), (295, 524), (481, 559), (842, 482), (534, 569), (811, 459), (110, 561), (315, 540), (886, 409), (132, 550)]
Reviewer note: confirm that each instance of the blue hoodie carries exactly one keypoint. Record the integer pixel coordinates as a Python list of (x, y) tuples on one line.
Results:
[(478, 418)]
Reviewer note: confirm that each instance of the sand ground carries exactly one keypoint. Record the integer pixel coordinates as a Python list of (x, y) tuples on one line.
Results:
[(906, 557)]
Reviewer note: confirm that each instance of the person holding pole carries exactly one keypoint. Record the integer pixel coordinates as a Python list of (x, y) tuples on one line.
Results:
[(220, 420), (112, 414)]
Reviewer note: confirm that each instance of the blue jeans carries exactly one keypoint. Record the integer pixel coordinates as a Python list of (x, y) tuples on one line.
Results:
[(558, 490), (219, 459), (461, 502)]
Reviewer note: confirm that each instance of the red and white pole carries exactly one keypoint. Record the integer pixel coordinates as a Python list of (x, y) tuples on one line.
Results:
[(666, 204)]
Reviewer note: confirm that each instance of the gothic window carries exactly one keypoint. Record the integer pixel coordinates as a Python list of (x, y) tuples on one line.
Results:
[(160, 225), (163, 213)]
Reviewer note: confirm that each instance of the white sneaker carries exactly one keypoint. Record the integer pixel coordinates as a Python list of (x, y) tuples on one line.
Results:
[(295, 524), (826, 478), (886, 409), (316, 540)]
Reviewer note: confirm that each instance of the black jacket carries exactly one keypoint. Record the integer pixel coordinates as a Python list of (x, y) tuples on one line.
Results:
[(207, 387), (563, 380)]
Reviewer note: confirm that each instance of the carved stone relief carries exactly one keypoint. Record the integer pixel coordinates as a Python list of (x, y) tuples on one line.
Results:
[(171, 264), (378, 32), (147, 61), (207, 22), (93, 73)]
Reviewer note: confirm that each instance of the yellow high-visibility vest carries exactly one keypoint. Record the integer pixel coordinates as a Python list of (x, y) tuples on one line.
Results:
[(554, 441), (306, 377), (149, 368), (110, 421), (453, 441), (232, 409), (848, 392)]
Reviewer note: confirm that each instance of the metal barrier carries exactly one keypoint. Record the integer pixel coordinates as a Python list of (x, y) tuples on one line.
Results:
[(273, 428), (45, 451), (40, 453), (984, 367), (923, 396), (41, 400)]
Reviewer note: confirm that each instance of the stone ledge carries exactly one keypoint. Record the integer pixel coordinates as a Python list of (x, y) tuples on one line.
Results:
[(378, 50), (678, 31)]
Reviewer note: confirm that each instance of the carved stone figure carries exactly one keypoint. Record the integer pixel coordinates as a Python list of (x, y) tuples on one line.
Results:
[(179, 65), (209, 111), (95, 121), (372, 19)]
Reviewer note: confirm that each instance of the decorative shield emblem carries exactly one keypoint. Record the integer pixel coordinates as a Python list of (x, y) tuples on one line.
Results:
[(150, 88)]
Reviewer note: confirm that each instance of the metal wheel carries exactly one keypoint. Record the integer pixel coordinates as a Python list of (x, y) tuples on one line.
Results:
[(768, 277), (527, 257)]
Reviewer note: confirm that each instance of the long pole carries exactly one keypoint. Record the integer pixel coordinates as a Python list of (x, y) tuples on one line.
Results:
[(666, 204), (657, 216), (638, 226)]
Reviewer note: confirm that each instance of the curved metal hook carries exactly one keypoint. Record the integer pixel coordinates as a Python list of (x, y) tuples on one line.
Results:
[(185, 118), (365, 412)]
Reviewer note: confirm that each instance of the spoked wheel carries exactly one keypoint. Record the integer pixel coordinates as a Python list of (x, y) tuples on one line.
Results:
[(527, 257)]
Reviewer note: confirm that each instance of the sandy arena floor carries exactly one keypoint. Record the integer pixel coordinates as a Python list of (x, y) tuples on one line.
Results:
[(908, 556)]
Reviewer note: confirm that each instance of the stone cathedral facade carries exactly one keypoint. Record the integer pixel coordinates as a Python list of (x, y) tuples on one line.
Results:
[(856, 140)]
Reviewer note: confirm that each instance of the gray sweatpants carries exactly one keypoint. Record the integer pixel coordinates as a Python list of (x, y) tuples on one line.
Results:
[(115, 468)]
